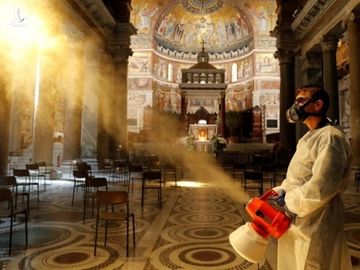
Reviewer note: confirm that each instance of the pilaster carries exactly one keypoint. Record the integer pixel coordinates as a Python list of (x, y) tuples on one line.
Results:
[(353, 27), (330, 83)]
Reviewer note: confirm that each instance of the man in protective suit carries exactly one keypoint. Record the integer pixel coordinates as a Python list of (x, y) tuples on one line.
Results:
[(317, 176)]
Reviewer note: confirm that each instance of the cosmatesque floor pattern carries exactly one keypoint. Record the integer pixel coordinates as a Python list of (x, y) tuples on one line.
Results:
[(190, 232)]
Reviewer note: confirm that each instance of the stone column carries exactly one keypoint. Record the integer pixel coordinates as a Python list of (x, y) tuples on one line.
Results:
[(222, 114), (353, 26), (118, 47), (45, 112), (330, 83), (4, 127), (287, 96), (74, 105), (312, 69)]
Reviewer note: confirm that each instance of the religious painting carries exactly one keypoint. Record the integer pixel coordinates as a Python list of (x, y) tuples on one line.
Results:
[(245, 68), (220, 29), (239, 98), (263, 15), (139, 64), (143, 14), (266, 63), (162, 100), (139, 84), (270, 84), (160, 67)]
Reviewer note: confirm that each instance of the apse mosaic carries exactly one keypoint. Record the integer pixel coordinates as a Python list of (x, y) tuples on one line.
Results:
[(182, 30)]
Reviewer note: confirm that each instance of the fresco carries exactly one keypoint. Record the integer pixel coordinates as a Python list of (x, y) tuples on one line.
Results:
[(263, 15), (139, 84), (139, 64), (266, 63), (240, 97), (143, 13), (220, 29)]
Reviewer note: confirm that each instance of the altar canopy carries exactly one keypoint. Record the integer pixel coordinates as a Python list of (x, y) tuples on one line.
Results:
[(203, 90)]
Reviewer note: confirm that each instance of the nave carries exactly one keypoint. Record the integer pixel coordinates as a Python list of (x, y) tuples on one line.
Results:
[(189, 232)]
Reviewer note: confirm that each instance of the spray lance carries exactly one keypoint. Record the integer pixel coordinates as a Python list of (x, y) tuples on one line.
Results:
[(251, 239)]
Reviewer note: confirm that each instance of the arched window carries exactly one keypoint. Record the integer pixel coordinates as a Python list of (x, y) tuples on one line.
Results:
[(234, 75), (170, 72)]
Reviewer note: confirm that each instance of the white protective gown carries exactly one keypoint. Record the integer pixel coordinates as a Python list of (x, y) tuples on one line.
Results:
[(316, 178)]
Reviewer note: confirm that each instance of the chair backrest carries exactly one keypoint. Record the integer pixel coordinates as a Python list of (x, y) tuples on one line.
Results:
[(112, 197), (253, 175), (135, 168), (21, 172), (41, 163), (7, 180), (5, 194), (95, 182), (80, 174), (152, 175), (32, 167), (83, 166)]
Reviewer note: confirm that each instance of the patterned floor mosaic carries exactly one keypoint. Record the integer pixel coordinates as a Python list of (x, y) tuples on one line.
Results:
[(189, 232)]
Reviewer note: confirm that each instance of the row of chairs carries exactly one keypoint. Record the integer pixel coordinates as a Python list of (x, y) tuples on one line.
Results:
[(9, 193)]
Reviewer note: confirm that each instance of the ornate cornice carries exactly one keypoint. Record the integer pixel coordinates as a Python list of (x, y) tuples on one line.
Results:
[(309, 15), (96, 13)]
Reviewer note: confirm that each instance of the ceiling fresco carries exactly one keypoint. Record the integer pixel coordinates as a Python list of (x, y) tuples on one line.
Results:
[(223, 29)]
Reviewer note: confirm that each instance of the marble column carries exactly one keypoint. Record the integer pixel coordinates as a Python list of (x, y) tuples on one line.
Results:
[(4, 127), (312, 69), (74, 105), (118, 47), (287, 96), (353, 26), (330, 82), (45, 113), (222, 114)]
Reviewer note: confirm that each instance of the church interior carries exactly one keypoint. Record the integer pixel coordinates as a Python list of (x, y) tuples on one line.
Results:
[(177, 105)]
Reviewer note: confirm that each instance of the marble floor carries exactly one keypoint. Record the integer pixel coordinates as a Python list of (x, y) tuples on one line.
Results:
[(189, 232)]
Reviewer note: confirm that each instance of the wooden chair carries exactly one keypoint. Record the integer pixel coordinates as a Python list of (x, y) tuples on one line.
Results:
[(92, 184), (135, 173), (357, 180), (113, 199), (11, 212), (10, 182), (79, 181), (168, 169), (256, 180), (34, 170), (25, 175), (151, 180)]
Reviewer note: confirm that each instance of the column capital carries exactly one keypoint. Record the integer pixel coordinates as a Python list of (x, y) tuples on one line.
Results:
[(329, 43), (118, 44), (285, 56), (353, 17)]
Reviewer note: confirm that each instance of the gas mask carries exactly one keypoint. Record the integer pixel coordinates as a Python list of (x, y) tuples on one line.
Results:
[(297, 114)]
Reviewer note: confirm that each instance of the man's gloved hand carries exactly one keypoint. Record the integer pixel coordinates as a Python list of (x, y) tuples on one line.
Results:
[(280, 198)]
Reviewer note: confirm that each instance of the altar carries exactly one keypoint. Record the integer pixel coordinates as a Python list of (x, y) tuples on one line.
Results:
[(202, 134)]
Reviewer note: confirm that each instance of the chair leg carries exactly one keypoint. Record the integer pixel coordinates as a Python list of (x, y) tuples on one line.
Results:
[(142, 194), (10, 240), (96, 235), (73, 193), (106, 229), (84, 210), (133, 223), (26, 229), (127, 236)]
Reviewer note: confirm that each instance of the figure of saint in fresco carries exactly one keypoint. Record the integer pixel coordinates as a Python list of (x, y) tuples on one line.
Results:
[(145, 18)]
